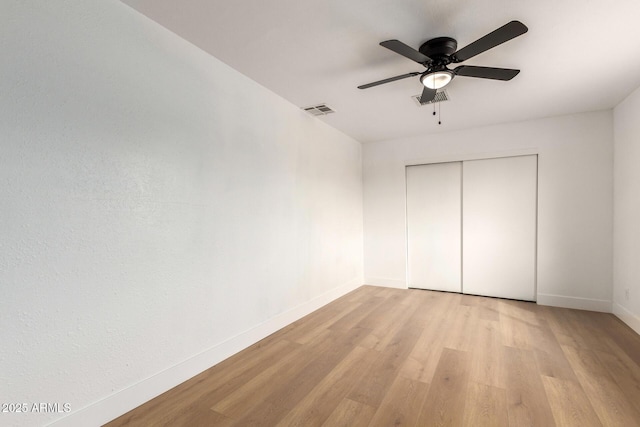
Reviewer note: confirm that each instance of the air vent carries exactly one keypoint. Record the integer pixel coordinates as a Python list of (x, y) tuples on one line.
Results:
[(319, 110), (441, 96)]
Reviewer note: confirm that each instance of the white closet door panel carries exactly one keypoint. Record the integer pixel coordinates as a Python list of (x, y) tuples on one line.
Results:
[(433, 226), (499, 227)]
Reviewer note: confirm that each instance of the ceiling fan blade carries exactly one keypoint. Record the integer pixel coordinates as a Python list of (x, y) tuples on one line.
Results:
[(389, 80), (407, 51), (486, 72), (503, 34), (427, 95)]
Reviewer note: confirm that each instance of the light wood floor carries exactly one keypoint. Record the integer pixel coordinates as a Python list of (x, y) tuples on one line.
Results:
[(386, 357)]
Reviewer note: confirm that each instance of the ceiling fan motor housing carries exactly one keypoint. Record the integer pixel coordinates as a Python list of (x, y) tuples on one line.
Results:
[(439, 47)]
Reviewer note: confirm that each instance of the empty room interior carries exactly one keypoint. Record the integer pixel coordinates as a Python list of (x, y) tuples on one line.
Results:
[(298, 213)]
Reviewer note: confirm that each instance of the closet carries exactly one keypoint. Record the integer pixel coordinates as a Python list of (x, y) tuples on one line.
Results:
[(471, 226)]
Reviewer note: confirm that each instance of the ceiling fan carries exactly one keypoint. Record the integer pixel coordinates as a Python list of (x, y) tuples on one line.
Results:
[(436, 54)]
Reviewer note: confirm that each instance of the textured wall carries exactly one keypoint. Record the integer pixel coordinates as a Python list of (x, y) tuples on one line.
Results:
[(155, 204), (626, 249)]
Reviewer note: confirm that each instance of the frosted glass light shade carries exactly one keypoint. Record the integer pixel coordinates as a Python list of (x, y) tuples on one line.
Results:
[(436, 80)]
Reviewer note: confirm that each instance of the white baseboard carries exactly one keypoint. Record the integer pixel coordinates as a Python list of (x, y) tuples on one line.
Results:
[(135, 395), (627, 317), (575, 302), (389, 283)]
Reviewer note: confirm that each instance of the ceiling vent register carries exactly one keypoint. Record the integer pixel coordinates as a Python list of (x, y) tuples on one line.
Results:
[(319, 110), (441, 96)]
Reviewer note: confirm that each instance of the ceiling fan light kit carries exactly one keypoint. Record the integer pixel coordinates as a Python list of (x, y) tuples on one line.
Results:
[(437, 53), (437, 79)]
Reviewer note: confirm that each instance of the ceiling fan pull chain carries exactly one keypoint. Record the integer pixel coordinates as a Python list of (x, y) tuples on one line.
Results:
[(439, 115), (434, 104)]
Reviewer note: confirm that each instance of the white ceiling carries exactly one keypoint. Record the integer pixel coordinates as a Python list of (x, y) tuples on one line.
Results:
[(579, 55)]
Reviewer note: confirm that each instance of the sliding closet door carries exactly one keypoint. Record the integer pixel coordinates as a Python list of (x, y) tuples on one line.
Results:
[(433, 226), (499, 227)]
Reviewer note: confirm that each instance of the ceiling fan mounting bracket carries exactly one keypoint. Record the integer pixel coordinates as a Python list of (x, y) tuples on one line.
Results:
[(439, 47)]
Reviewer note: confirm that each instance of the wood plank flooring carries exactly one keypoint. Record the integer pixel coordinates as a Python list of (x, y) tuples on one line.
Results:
[(391, 357)]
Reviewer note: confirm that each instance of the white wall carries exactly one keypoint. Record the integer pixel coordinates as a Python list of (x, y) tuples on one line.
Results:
[(626, 249), (159, 211), (575, 200)]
